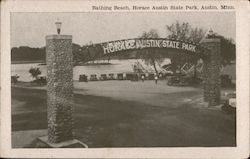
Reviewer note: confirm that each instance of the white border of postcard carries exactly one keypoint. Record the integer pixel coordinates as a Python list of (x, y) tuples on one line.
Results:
[(242, 61)]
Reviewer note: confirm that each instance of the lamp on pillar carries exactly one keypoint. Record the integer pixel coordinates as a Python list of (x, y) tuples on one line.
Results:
[(58, 27), (210, 32)]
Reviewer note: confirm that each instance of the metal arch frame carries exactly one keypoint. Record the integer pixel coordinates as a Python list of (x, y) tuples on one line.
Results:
[(202, 51)]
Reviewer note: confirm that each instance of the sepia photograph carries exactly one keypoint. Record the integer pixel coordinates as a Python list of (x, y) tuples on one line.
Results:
[(119, 80), (113, 79)]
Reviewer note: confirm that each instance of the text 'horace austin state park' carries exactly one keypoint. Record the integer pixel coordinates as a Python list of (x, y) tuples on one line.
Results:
[(122, 45)]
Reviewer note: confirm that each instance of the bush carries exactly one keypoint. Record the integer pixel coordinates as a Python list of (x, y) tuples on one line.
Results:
[(35, 72)]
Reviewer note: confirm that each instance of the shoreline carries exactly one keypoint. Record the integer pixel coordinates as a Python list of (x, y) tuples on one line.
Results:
[(28, 62)]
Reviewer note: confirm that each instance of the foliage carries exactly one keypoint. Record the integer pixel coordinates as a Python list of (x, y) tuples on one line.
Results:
[(228, 49), (151, 56), (34, 72), (86, 53), (80, 53), (185, 32), (152, 33), (25, 53), (77, 53)]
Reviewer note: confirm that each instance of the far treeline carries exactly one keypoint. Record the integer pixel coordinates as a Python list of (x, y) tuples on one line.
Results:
[(25, 53), (81, 54), (180, 31)]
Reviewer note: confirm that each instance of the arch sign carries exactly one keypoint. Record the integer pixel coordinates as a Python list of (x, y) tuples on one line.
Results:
[(122, 45)]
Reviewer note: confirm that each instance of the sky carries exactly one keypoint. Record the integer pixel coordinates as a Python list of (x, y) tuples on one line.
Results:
[(30, 29)]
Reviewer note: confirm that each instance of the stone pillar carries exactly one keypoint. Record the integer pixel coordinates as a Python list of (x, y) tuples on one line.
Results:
[(59, 61), (211, 71)]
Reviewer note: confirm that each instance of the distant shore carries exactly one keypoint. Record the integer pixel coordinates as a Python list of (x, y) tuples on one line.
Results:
[(27, 62), (41, 62)]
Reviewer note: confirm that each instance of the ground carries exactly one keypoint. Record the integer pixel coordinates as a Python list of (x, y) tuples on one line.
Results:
[(128, 114)]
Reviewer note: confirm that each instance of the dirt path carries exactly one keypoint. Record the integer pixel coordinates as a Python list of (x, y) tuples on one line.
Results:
[(143, 92)]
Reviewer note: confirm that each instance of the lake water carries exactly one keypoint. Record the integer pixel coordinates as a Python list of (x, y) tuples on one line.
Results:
[(118, 66)]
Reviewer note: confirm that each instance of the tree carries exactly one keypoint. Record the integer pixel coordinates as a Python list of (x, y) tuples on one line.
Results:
[(35, 72), (77, 51), (185, 32), (228, 50), (151, 56), (25, 53)]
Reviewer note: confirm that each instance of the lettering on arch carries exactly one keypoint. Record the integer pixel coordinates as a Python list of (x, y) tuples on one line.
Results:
[(123, 45)]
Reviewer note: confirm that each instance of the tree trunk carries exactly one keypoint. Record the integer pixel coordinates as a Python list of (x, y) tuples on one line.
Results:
[(153, 61), (195, 72), (173, 66)]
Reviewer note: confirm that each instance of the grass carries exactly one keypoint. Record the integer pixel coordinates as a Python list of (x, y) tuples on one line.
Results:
[(107, 122)]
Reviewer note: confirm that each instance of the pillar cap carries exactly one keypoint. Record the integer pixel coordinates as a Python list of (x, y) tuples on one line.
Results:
[(55, 36)]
